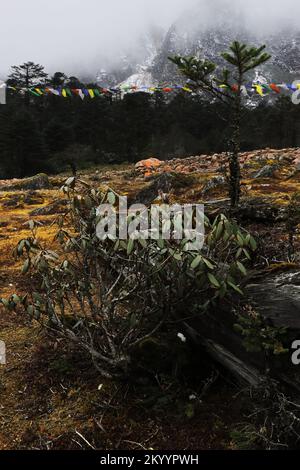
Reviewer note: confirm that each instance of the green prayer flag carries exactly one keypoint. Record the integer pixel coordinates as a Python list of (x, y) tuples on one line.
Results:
[(34, 93)]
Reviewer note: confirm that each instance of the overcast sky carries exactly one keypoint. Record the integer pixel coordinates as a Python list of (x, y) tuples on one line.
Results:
[(69, 35)]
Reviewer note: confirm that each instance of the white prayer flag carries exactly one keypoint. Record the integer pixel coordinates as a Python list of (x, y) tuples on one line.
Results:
[(2, 93)]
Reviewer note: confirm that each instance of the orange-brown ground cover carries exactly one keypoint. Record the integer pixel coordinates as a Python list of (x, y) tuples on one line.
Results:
[(50, 397)]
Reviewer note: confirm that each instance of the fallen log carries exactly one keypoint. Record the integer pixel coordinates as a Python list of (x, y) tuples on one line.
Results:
[(276, 297)]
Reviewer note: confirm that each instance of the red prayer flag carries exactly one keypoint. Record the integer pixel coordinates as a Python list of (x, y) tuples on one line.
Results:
[(274, 87)]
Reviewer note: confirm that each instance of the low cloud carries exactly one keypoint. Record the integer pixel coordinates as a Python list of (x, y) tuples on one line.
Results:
[(78, 36)]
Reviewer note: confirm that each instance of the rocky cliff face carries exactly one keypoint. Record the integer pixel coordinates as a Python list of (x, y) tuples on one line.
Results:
[(207, 31), (191, 36)]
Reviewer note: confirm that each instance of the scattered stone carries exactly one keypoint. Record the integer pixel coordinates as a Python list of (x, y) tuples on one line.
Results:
[(217, 162), (266, 172), (148, 164), (33, 198), (18, 200), (56, 207), (296, 163), (214, 183), (96, 178), (161, 184), (13, 201)]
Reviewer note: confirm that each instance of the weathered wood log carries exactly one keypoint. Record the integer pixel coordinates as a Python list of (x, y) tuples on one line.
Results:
[(238, 368), (276, 297)]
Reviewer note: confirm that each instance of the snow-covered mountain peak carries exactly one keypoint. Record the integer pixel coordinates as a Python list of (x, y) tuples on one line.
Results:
[(205, 31)]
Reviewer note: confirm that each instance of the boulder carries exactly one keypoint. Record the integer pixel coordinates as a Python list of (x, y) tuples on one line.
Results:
[(277, 298), (56, 207), (214, 183), (296, 164), (266, 172), (13, 201), (149, 164), (32, 198), (161, 184), (40, 181)]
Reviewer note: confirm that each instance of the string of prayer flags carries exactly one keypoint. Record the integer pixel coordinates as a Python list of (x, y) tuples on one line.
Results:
[(247, 90)]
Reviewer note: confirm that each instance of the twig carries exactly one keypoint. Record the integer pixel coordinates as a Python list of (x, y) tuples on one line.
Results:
[(85, 440)]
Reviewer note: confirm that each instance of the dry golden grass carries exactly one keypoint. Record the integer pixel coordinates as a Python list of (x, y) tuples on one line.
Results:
[(42, 403)]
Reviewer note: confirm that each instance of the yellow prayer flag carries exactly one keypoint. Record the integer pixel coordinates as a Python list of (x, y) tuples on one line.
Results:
[(187, 89), (259, 90), (91, 93)]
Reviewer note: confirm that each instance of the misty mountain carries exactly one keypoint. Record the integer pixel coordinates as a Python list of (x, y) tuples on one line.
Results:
[(206, 31)]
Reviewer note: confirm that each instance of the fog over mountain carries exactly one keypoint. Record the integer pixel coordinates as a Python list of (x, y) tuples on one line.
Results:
[(96, 38), (207, 30)]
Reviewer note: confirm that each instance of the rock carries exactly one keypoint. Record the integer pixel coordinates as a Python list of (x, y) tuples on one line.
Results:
[(40, 181), (162, 183), (260, 210), (277, 298), (167, 168), (32, 198), (96, 178), (149, 164), (222, 169), (18, 200), (266, 172), (56, 207), (296, 163), (13, 201), (214, 183)]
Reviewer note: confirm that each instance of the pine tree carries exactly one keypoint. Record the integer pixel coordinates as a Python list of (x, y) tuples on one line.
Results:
[(243, 59), (58, 79), (27, 75)]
